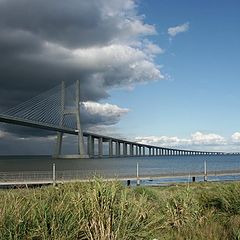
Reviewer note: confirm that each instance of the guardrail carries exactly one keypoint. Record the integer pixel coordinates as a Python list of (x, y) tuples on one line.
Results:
[(53, 177)]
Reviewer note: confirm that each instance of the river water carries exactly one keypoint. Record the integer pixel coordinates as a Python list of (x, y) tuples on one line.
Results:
[(124, 167)]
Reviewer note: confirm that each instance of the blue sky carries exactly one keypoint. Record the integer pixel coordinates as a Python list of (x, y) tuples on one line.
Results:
[(201, 67)]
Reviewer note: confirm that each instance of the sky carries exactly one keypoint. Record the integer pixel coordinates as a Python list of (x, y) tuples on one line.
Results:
[(162, 72)]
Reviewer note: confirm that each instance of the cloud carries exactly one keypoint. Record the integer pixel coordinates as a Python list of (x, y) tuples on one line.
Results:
[(173, 31), (163, 141), (152, 49), (75, 23), (196, 139), (199, 138), (102, 43), (236, 137), (94, 113)]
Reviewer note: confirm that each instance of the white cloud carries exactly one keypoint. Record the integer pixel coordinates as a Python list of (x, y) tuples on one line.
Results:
[(101, 113), (199, 138), (151, 49), (104, 108), (236, 137), (173, 31), (196, 139), (118, 65), (163, 141)]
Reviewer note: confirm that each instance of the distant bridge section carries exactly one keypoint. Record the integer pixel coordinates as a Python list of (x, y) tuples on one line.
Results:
[(58, 110), (116, 147), (123, 148)]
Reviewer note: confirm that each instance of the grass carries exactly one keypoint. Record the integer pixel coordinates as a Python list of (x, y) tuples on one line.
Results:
[(108, 210)]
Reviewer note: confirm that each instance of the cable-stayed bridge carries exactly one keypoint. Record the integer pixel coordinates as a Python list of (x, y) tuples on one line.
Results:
[(58, 110)]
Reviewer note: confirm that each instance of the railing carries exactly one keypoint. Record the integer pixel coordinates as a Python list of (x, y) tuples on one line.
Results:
[(48, 177)]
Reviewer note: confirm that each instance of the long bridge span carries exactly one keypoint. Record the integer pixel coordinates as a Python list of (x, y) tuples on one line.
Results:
[(59, 110)]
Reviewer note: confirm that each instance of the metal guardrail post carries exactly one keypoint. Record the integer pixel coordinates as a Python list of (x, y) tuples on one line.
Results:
[(205, 171), (54, 174), (138, 180)]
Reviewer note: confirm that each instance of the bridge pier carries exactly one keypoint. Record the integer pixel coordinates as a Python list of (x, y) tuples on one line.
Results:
[(125, 149), (149, 151), (140, 150), (90, 146), (131, 149), (100, 146), (59, 144), (110, 148), (118, 150), (76, 112), (136, 148)]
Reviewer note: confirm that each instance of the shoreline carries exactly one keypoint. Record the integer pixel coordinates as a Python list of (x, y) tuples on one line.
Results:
[(34, 181)]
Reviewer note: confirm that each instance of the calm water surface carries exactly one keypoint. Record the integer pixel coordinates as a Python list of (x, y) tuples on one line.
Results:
[(148, 166)]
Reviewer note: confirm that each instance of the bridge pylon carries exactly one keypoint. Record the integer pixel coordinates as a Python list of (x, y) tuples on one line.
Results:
[(64, 112)]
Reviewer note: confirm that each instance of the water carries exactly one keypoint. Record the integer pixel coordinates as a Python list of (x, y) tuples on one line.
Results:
[(125, 167)]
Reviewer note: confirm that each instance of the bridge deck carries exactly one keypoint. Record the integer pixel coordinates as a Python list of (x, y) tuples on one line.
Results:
[(50, 127)]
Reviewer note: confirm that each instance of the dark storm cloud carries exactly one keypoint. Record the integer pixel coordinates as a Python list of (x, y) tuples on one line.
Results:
[(44, 42), (71, 23)]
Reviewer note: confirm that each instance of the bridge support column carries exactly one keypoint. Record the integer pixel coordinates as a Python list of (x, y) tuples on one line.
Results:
[(124, 149), (131, 149), (58, 150), (81, 149), (136, 150), (118, 149), (100, 147), (90, 145), (76, 112), (143, 150), (140, 150), (110, 148), (160, 149)]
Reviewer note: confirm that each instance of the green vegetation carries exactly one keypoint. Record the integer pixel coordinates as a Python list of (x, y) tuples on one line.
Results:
[(108, 210)]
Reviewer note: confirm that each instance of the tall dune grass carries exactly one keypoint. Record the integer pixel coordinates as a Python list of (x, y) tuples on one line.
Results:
[(108, 211)]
